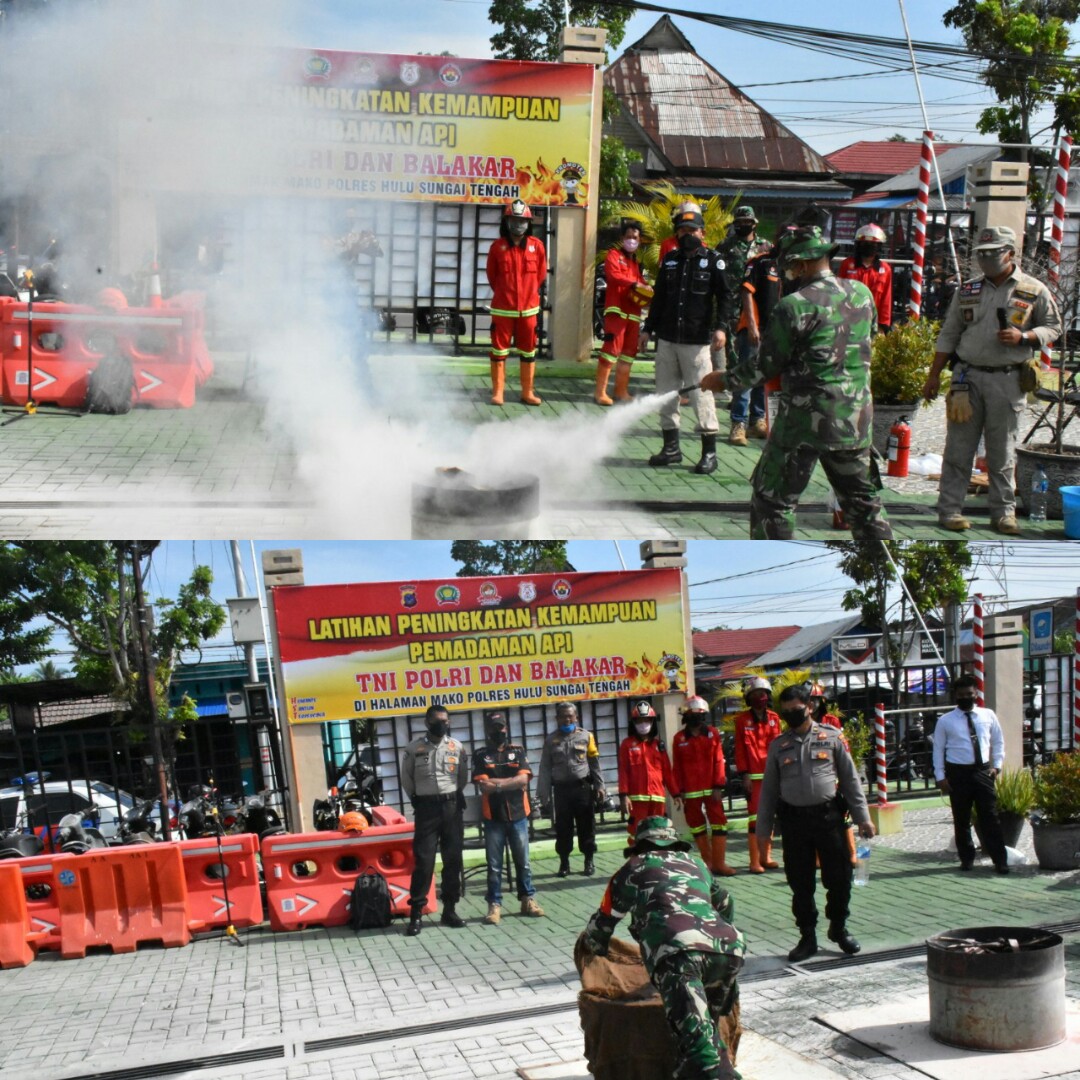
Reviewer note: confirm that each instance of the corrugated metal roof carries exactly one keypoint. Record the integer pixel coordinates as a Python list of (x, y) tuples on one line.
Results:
[(695, 117), (806, 643)]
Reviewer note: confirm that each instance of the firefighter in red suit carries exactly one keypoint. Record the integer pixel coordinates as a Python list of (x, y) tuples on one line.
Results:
[(866, 266), (755, 728), (626, 294), (644, 770), (700, 774), (516, 270)]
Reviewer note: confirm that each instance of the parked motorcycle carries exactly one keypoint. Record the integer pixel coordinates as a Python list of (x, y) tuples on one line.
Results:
[(358, 789), (15, 844), (75, 838), (137, 826), (259, 817)]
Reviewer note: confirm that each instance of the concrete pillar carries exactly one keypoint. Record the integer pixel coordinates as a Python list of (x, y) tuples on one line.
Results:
[(1004, 664), (998, 192), (571, 279)]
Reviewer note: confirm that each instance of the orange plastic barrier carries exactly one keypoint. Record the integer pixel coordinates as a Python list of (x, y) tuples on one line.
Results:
[(310, 876), (204, 871), (15, 948), (40, 888), (387, 815), (63, 343), (121, 896)]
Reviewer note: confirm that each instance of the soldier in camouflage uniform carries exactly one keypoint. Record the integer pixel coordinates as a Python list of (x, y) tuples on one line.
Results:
[(736, 249), (681, 918), (818, 341)]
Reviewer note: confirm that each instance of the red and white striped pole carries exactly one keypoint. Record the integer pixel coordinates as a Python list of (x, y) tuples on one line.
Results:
[(1076, 678), (918, 240), (879, 754), (1057, 231), (980, 669)]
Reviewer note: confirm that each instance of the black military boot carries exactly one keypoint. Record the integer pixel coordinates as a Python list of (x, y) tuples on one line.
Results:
[(842, 938), (564, 866), (414, 920), (707, 464), (805, 949), (670, 454), (590, 866), (450, 917)]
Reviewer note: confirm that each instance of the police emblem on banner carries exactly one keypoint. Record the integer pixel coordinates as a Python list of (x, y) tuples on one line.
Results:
[(365, 73), (409, 72), (450, 74), (561, 589), (408, 595), (489, 594), (447, 594), (317, 67), (526, 591)]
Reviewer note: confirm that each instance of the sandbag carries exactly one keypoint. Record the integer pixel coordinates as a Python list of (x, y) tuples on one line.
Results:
[(619, 975)]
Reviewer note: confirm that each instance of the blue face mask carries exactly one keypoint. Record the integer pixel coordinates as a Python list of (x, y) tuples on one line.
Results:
[(568, 729)]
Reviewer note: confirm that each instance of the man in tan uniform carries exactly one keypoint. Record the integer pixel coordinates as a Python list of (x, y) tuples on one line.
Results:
[(995, 325)]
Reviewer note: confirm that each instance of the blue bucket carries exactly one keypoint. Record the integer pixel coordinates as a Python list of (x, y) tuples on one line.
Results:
[(1070, 508)]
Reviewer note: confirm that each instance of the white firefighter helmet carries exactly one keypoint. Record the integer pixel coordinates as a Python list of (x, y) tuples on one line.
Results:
[(752, 685), (817, 689), (874, 233), (695, 705)]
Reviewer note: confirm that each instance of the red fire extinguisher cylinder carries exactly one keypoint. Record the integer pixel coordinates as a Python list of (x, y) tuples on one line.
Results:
[(899, 448)]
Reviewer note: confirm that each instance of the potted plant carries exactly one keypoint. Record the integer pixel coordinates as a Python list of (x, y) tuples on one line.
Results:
[(1015, 800), (1055, 822), (899, 363)]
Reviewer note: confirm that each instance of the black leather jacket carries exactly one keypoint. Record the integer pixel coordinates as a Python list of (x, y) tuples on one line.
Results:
[(691, 297)]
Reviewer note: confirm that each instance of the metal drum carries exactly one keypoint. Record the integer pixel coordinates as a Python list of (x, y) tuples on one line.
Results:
[(456, 505), (997, 988)]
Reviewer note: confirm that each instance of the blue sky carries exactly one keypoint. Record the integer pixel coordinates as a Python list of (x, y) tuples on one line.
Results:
[(827, 114)]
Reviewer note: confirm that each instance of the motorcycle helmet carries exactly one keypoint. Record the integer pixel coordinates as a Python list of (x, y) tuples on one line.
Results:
[(352, 822)]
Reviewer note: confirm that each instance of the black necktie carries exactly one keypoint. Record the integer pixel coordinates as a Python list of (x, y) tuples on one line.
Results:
[(975, 741)]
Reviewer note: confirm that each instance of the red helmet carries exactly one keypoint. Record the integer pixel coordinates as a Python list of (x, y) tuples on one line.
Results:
[(519, 209), (353, 821), (643, 711), (874, 233), (817, 690)]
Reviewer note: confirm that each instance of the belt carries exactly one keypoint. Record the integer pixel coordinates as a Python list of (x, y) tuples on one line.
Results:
[(572, 783), (438, 798), (968, 766), (992, 370)]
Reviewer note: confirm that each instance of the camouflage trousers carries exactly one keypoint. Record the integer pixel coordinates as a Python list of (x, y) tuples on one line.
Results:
[(782, 474), (697, 988)]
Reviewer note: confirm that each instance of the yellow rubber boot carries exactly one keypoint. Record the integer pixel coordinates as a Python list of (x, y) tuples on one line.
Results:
[(498, 381), (766, 856), (603, 370), (528, 370), (755, 857), (719, 852), (622, 381)]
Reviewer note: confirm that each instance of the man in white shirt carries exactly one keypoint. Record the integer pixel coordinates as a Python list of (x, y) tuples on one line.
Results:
[(968, 753)]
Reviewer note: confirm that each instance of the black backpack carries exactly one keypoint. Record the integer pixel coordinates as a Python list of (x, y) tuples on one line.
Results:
[(110, 386), (369, 905)]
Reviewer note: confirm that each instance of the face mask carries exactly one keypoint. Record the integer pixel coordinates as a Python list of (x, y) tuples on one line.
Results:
[(743, 230), (518, 227), (438, 728), (992, 265), (965, 703), (794, 717), (630, 244), (498, 736), (694, 722), (643, 729), (689, 242), (568, 728)]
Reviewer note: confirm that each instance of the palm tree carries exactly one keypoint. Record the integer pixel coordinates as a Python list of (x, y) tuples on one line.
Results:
[(46, 671)]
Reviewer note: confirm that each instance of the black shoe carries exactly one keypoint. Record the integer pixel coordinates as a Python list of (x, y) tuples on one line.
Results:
[(805, 949), (590, 866), (846, 942), (670, 454), (564, 868), (451, 918), (414, 924), (1002, 869), (707, 464), (966, 864)]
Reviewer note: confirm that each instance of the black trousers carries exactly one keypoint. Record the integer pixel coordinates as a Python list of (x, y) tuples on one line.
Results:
[(816, 833), (970, 786), (439, 827), (574, 809)]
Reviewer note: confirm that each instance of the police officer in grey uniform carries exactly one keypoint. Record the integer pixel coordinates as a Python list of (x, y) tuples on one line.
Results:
[(570, 768), (434, 771), (802, 770), (995, 324)]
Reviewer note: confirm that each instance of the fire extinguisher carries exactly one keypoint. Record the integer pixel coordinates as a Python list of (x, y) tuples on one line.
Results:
[(899, 447)]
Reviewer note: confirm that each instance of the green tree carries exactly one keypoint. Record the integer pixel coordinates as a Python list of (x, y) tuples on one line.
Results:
[(932, 570), (490, 558), (48, 670), (1023, 44), (530, 29)]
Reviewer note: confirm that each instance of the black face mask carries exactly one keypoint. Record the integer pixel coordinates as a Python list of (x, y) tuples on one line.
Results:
[(689, 242), (864, 248), (743, 230), (438, 728), (965, 703), (794, 717), (498, 736)]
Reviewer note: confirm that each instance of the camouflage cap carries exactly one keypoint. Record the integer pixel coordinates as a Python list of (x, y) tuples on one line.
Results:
[(745, 213), (996, 236), (657, 832), (805, 242)]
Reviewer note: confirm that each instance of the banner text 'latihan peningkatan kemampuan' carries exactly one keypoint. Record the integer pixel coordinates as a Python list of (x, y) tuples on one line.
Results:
[(369, 650)]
